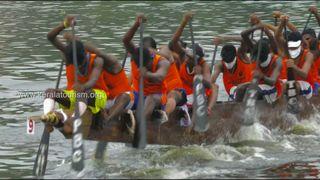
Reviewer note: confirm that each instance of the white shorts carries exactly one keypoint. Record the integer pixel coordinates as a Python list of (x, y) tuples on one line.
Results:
[(110, 103), (305, 89), (268, 92)]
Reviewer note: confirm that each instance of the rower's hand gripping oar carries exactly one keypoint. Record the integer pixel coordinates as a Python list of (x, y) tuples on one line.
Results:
[(292, 106), (140, 135), (40, 164), (101, 146), (77, 142), (199, 112), (252, 93)]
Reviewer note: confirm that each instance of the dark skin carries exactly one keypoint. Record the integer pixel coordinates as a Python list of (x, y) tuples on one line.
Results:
[(84, 88), (111, 65), (248, 43), (152, 100), (203, 69)]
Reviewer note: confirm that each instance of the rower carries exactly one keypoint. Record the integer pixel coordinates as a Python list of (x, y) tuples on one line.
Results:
[(120, 98), (91, 85), (315, 46), (188, 69), (270, 64), (176, 96), (301, 61), (155, 68)]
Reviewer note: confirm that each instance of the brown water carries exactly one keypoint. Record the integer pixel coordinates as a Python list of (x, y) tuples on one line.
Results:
[(29, 62)]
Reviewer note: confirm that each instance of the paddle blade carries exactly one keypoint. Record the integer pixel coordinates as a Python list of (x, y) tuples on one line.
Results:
[(250, 107), (140, 135), (292, 106), (101, 148), (77, 146), (39, 167), (199, 115)]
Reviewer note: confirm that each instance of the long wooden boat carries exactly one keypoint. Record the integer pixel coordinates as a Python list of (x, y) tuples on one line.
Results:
[(225, 121)]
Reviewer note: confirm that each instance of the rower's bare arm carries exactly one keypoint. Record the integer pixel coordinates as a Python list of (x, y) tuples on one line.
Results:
[(176, 36), (306, 66), (52, 35), (273, 43), (127, 39), (96, 71), (206, 75), (246, 33), (314, 11), (110, 63), (161, 72), (221, 39), (275, 74), (216, 72), (279, 39)]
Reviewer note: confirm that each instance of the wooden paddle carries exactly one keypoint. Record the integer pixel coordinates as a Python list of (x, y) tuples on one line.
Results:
[(307, 23), (252, 93), (77, 142), (101, 146), (199, 112), (213, 57), (140, 135), (292, 99), (40, 164)]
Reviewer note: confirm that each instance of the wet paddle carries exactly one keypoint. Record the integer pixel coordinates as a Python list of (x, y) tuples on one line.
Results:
[(252, 93), (199, 115), (213, 57), (140, 135), (307, 23), (39, 167), (124, 60), (292, 99), (77, 142)]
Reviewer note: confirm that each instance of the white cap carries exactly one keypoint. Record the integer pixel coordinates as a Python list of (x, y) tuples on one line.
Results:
[(293, 44)]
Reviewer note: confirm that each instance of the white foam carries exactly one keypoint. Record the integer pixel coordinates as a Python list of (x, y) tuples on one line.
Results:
[(255, 132)]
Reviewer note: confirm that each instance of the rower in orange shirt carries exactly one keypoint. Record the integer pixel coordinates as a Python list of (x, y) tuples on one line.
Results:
[(155, 68)]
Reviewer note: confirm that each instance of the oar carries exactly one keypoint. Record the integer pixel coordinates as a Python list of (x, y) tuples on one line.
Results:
[(275, 21), (39, 167), (199, 115), (252, 93), (214, 57), (77, 142), (140, 135), (124, 60), (292, 99), (307, 23), (101, 146)]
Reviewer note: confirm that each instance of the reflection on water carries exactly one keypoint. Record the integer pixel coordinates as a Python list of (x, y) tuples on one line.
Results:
[(29, 62)]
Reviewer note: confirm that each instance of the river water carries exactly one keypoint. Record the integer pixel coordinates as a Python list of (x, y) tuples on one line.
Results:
[(28, 62)]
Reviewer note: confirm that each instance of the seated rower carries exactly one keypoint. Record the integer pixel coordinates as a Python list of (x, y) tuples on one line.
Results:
[(155, 68), (301, 62), (188, 68), (120, 98), (236, 67), (90, 82), (270, 64)]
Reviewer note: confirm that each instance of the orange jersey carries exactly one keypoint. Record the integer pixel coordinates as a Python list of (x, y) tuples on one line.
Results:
[(312, 74), (173, 78), (242, 74), (187, 78), (268, 71), (149, 87), (83, 79), (117, 83)]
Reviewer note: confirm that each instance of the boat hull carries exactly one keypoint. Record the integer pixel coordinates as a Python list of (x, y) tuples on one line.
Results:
[(225, 122)]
